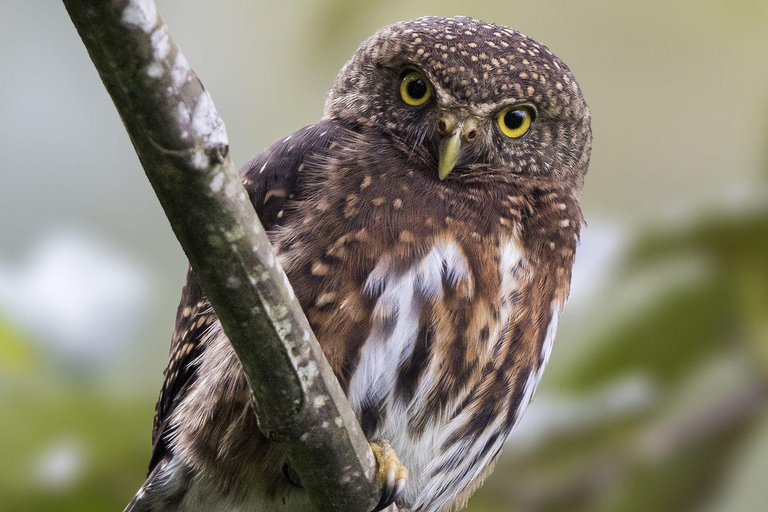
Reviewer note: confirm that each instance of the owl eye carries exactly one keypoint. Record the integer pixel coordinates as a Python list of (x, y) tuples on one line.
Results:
[(515, 122), (415, 89)]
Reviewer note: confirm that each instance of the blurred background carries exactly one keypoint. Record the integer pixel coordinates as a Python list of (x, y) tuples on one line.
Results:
[(657, 393)]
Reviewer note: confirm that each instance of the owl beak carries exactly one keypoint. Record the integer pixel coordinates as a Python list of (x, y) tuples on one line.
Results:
[(448, 154)]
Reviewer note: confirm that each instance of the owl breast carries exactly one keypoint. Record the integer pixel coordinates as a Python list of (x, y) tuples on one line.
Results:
[(434, 305), (438, 331)]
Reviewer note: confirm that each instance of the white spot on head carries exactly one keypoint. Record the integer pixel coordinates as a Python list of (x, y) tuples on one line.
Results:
[(141, 14)]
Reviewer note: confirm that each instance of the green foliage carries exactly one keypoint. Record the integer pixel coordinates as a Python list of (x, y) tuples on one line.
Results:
[(16, 354), (70, 447), (666, 340)]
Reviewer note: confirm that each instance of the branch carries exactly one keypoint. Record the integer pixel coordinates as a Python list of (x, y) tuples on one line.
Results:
[(182, 145)]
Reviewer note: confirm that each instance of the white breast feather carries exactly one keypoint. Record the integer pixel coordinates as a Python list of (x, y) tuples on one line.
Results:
[(381, 356)]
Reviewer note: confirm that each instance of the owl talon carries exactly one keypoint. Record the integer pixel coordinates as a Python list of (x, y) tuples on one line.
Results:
[(398, 490), (391, 472)]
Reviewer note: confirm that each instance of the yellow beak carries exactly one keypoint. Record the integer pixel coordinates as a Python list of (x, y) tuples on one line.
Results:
[(449, 154)]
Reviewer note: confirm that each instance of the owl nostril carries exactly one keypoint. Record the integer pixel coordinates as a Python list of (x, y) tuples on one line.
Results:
[(470, 135), (442, 127)]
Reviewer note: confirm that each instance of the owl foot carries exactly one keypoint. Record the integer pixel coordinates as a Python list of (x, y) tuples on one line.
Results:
[(392, 474)]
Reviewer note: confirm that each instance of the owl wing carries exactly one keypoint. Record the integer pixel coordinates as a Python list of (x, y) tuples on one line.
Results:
[(272, 179)]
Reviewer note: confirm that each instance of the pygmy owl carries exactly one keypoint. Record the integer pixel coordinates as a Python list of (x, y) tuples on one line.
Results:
[(428, 225)]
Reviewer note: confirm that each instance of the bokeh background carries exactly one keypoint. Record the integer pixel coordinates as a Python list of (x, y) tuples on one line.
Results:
[(657, 393)]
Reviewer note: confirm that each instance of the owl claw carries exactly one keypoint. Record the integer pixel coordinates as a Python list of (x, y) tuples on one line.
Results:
[(398, 490), (391, 472)]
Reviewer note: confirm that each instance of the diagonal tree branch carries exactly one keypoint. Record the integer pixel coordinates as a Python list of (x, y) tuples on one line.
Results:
[(182, 144)]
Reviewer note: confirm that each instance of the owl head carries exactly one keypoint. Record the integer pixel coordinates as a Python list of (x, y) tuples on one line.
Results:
[(475, 101)]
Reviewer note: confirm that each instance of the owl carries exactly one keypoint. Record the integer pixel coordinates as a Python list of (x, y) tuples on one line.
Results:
[(427, 224)]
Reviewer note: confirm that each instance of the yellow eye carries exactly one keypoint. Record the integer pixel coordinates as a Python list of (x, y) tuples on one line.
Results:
[(515, 122), (415, 89)]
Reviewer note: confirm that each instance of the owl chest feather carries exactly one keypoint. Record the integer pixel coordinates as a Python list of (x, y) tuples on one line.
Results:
[(436, 312), (431, 337), (431, 350)]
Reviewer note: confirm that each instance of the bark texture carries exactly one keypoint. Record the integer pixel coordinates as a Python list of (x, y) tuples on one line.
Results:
[(182, 144)]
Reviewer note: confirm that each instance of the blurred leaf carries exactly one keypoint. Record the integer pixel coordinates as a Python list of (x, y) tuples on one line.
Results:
[(683, 482), (15, 350), (333, 14), (744, 487), (681, 327), (667, 339), (108, 433), (729, 238)]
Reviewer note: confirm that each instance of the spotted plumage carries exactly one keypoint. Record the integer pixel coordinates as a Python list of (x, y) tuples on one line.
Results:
[(434, 297)]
